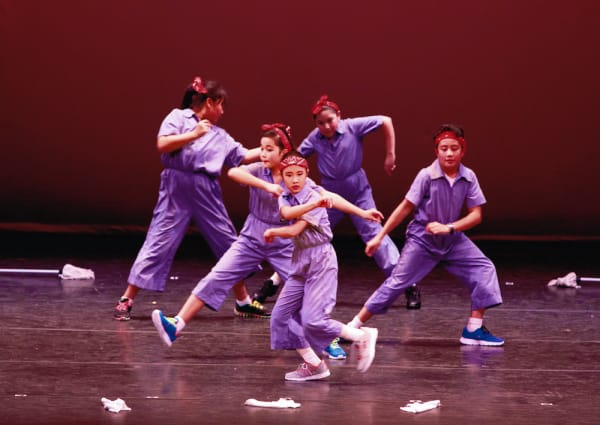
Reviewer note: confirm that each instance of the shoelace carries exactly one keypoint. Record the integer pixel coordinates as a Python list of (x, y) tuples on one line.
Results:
[(308, 368)]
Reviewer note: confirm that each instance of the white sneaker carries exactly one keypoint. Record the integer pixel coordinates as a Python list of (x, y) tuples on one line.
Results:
[(306, 372), (365, 349)]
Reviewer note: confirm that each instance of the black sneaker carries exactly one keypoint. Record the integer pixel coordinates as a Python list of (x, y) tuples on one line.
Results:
[(268, 290), (413, 297), (253, 310)]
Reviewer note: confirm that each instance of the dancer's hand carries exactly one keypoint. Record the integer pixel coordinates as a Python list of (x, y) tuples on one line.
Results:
[(389, 165), (372, 246), (326, 201), (373, 215), (269, 235), (436, 228), (274, 189), (202, 128)]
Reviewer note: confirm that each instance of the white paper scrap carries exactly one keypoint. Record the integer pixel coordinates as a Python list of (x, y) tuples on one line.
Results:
[(114, 406), (282, 403), (69, 271), (418, 406), (567, 281)]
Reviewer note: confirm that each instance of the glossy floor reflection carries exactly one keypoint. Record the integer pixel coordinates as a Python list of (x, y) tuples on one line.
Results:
[(61, 351)]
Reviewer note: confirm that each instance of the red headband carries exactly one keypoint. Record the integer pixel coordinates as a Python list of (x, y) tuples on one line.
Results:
[(451, 135), (282, 131), (293, 160), (322, 103), (198, 86)]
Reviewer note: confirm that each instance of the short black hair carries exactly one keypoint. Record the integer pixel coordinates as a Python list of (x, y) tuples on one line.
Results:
[(456, 129)]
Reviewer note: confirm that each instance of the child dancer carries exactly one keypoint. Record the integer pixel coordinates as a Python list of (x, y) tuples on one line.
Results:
[(250, 249), (338, 144), (301, 316), (193, 151), (435, 236)]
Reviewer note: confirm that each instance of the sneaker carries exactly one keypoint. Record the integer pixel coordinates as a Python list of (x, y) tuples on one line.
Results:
[(413, 297), (268, 290), (306, 372), (123, 309), (365, 349), (480, 336), (255, 309), (334, 351), (165, 326)]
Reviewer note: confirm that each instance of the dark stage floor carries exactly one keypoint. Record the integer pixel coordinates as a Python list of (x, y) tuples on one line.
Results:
[(62, 352)]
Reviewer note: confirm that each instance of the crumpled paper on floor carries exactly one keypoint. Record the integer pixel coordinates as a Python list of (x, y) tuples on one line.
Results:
[(567, 281), (282, 403), (69, 271), (418, 406), (114, 406)]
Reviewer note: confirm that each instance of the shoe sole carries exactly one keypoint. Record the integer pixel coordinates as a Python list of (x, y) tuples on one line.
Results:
[(310, 378), (249, 315), (329, 356), (365, 364), (159, 327), (332, 357), (469, 341), (122, 318)]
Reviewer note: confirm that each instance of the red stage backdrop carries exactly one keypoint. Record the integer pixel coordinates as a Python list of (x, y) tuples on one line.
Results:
[(84, 86)]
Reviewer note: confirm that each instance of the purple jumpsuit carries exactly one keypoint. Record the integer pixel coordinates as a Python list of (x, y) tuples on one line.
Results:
[(340, 164), (301, 316), (189, 191), (436, 200), (250, 249)]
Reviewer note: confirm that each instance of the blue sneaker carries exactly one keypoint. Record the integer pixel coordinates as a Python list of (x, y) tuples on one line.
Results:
[(165, 327), (480, 336), (334, 351)]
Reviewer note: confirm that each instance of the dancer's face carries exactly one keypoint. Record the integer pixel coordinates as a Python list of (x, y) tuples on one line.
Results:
[(270, 153), (294, 178), (214, 110), (327, 122), (449, 153)]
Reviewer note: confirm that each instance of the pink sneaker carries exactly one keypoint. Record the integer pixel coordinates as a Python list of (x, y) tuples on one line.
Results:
[(306, 372), (123, 309), (365, 349)]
